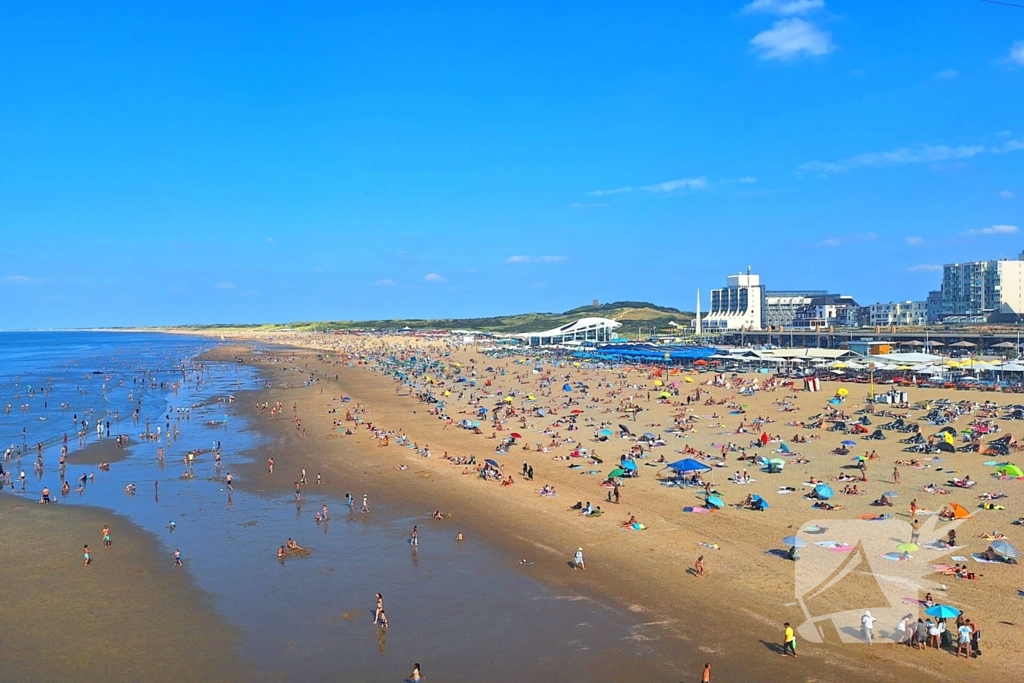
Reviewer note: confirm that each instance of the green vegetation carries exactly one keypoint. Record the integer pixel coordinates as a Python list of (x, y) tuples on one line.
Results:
[(632, 314)]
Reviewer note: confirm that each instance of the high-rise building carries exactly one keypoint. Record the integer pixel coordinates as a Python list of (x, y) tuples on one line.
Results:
[(738, 305), (980, 288), (829, 310), (934, 306)]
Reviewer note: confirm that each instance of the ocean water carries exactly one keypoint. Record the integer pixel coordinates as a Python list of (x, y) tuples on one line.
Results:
[(458, 609)]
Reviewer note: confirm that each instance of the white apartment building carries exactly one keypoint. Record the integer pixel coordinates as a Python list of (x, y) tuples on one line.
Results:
[(738, 305), (902, 313), (979, 288)]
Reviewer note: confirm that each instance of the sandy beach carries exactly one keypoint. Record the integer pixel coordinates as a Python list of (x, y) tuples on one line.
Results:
[(130, 615), (732, 615)]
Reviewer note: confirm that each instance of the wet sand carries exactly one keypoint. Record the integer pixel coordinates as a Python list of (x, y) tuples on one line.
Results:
[(129, 616), (734, 617)]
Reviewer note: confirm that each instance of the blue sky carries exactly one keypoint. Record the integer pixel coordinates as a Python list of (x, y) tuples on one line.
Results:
[(243, 162)]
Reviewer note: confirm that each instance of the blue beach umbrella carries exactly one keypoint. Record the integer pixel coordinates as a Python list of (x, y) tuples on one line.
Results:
[(492, 463), (628, 465), (606, 432), (794, 541), (942, 612), (823, 491), (849, 443), (715, 502)]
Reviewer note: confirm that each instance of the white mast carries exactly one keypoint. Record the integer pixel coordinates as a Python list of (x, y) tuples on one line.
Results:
[(699, 331)]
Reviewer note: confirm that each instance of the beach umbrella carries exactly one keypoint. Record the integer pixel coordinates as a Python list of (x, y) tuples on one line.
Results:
[(507, 399), (843, 391), (1005, 549), (849, 443), (492, 463), (715, 502), (823, 491), (689, 380), (516, 435), (658, 383), (531, 397), (907, 547), (606, 432), (664, 394), (1011, 470), (576, 411), (943, 612), (617, 472), (891, 494), (795, 541), (566, 387), (777, 462), (629, 465)]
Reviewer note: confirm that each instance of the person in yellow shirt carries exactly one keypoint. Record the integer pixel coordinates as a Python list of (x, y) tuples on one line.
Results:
[(790, 645)]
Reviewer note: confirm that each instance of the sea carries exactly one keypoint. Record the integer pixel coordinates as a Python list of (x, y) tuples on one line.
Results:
[(461, 610)]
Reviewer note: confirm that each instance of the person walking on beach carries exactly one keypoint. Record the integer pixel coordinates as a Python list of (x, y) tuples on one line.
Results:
[(366, 505), (789, 646), (228, 480), (698, 566), (177, 558), (85, 554), (577, 561), (414, 537), (379, 610), (896, 475), (706, 676), (416, 675), (325, 516), (867, 623), (270, 465), (106, 536), (298, 492), (915, 534)]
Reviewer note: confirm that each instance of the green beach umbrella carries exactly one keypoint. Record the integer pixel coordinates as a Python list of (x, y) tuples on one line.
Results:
[(907, 547)]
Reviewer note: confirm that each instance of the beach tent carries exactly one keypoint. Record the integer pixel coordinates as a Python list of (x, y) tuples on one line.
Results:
[(688, 465), (758, 503), (1011, 470), (959, 511), (823, 491), (629, 465)]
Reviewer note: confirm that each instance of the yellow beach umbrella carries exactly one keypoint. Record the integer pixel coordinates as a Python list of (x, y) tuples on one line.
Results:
[(658, 383), (689, 380), (531, 397), (843, 391), (507, 399)]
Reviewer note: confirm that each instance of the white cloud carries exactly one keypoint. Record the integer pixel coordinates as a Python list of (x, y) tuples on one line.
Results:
[(225, 285), (385, 283), (924, 268), (783, 7), (1006, 194), (700, 183), (535, 259), (994, 230), (434, 277), (926, 154), (946, 74), (915, 241), (747, 179), (618, 190), (792, 38), (1017, 53), (848, 239), (17, 279)]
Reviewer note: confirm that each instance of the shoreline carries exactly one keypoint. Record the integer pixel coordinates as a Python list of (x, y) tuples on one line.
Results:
[(658, 597), (130, 615)]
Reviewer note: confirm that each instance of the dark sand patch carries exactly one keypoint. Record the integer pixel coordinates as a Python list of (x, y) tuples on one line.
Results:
[(130, 616)]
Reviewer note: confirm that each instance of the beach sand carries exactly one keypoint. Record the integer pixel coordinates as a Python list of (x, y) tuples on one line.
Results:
[(129, 616), (733, 616)]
